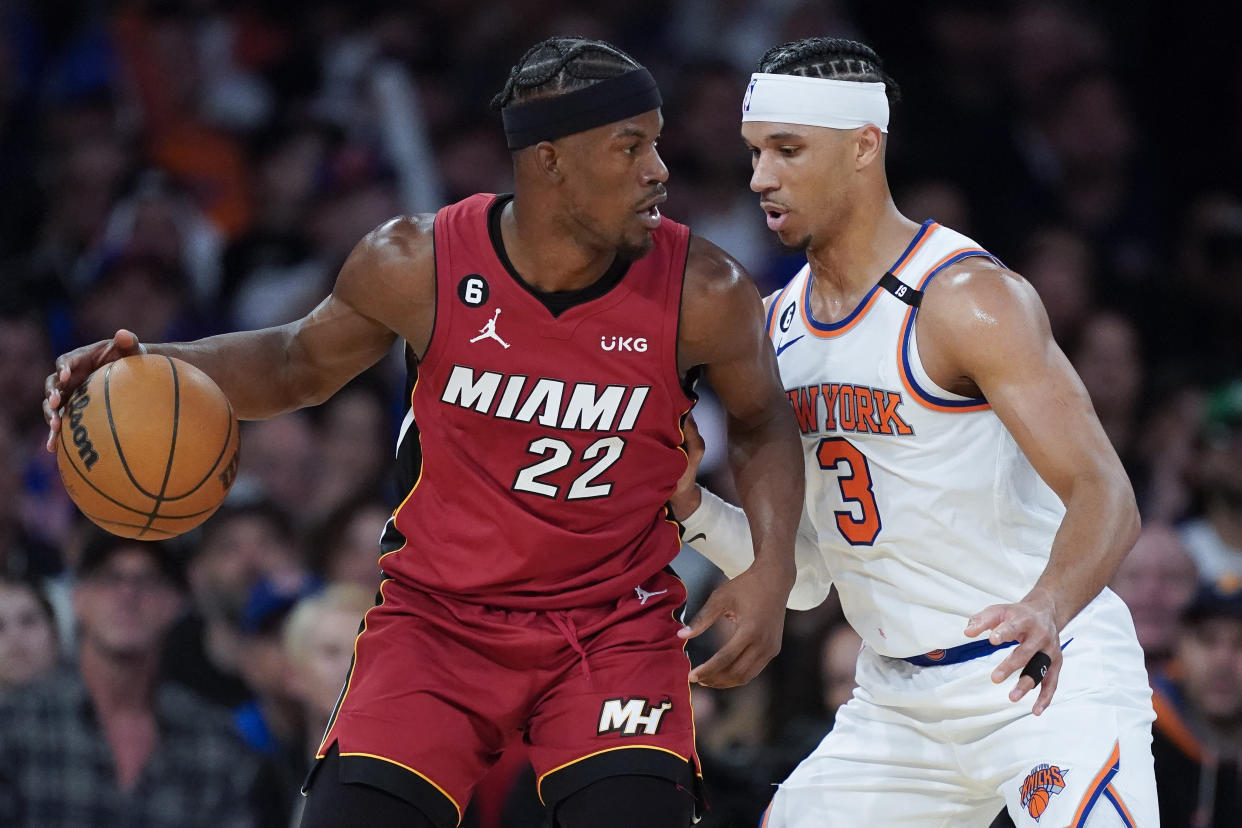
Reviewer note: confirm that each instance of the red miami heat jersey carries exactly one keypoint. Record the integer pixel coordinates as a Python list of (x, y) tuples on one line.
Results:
[(547, 444)]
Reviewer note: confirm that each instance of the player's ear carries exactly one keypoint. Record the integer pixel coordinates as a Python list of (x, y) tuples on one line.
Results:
[(547, 160), (870, 146)]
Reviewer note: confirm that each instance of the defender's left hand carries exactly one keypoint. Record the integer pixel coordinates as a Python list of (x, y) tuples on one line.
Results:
[(753, 605), (1032, 623)]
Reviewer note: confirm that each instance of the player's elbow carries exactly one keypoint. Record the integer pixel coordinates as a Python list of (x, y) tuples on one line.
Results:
[(1114, 495)]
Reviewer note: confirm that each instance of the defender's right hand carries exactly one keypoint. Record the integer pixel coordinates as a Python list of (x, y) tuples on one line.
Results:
[(73, 368)]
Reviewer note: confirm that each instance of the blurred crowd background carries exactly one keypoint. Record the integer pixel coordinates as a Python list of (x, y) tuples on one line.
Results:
[(186, 167)]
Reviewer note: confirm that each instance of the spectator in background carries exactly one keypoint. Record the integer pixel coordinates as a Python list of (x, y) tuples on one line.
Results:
[(280, 465), (108, 743), (1156, 580), (1109, 360), (1214, 539), (318, 639), (272, 271), (1168, 446), (272, 722), (241, 545), (1058, 262), (346, 547), (29, 647), (1198, 732), (34, 510), (158, 221), (1197, 315), (20, 551), (152, 294), (354, 438)]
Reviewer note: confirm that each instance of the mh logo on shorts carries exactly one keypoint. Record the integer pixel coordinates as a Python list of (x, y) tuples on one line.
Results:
[(626, 716), (1040, 784)]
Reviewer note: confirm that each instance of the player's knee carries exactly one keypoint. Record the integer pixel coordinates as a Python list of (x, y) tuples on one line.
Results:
[(626, 801)]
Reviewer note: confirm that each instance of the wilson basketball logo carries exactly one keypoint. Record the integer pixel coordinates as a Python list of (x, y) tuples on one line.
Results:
[(1039, 786)]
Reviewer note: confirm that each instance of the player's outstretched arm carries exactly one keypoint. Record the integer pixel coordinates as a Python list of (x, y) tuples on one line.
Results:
[(722, 330), (385, 288), (987, 326), (718, 531)]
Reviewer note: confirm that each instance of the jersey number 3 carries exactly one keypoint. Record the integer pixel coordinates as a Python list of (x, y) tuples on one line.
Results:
[(854, 477)]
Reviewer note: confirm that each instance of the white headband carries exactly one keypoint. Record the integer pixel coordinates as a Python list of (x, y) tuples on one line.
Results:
[(821, 102)]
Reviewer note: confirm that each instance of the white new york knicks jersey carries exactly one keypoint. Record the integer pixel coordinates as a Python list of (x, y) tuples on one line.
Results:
[(925, 508)]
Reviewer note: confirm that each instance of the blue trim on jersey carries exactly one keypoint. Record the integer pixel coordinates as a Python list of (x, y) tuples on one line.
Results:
[(834, 326), (776, 300), (1099, 789), (963, 652), (914, 241), (1121, 812), (866, 300), (777, 304), (905, 339)]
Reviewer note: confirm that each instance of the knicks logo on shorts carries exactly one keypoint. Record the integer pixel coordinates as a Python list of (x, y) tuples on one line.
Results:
[(1039, 786)]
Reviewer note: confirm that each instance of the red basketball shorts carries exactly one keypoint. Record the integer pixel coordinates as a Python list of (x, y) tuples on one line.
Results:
[(439, 686)]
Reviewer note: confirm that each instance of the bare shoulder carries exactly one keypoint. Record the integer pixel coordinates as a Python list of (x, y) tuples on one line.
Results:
[(980, 295), (719, 302), (390, 275), (978, 314), (399, 246), (716, 283)]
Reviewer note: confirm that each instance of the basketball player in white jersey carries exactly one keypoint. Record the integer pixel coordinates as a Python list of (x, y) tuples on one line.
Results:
[(961, 495)]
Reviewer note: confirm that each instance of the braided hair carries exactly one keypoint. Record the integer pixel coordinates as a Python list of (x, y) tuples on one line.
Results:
[(829, 57), (559, 65)]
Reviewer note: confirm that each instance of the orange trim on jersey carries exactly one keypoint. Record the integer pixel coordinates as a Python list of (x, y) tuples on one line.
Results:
[(858, 313), (901, 341), (776, 306), (340, 703), (1093, 790), (421, 776), (1170, 722), (421, 468), (1121, 805), (539, 784), (927, 274), (767, 814), (694, 734), (909, 257)]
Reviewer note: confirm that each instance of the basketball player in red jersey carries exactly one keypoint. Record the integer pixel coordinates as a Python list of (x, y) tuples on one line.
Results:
[(554, 336)]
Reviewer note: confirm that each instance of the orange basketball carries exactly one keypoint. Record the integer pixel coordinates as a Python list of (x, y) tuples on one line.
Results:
[(1037, 803), (148, 447)]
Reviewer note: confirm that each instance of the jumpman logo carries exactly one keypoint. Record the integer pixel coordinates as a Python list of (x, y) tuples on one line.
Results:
[(488, 331), (643, 594)]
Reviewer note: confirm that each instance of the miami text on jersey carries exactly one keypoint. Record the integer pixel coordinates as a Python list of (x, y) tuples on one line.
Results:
[(582, 406)]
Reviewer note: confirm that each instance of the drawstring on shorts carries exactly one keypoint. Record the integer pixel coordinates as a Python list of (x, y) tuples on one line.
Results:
[(564, 622)]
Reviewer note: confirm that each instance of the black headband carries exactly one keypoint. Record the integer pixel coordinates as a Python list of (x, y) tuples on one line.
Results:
[(546, 119)]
